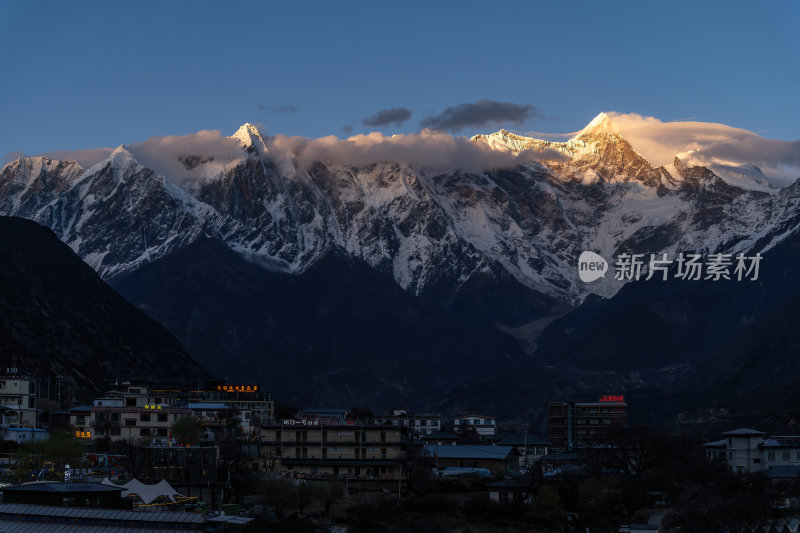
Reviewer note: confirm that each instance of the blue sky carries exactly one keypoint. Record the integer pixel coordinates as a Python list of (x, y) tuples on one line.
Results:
[(92, 74)]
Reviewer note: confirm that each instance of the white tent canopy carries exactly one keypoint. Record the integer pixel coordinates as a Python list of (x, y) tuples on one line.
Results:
[(148, 493)]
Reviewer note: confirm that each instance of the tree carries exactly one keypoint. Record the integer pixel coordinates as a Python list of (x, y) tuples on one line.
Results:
[(60, 449), (188, 430), (328, 493), (546, 506)]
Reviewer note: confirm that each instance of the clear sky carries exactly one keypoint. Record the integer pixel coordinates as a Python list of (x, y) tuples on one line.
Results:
[(92, 74)]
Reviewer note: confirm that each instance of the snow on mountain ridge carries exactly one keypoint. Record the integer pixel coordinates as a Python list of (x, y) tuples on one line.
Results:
[(250, 139), (421, 228)]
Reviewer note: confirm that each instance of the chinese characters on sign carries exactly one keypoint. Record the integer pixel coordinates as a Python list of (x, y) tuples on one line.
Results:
[(238, 388), (83, 435), (612, 398), (690, 266)]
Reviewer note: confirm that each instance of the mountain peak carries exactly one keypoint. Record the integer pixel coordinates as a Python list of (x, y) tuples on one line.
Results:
[(121, 149), (602, 123), (250, 139)]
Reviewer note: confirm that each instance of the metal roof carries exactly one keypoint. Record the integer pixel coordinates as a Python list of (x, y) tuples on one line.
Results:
[(236, 520), (518, 439), (51, 486), (440, 435), (780, 442), (469, 452), (10, 511), (744, 432), (782, 472), (716, 444), (80, 408), (208, 405)]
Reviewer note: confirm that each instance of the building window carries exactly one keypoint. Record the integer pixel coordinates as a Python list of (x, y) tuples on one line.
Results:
[(144, 432), (115, 417), (756, 460), (130, 402), (80, 420), (162, 432), (129, 422), (144, 417), (786, 456), (771, 456), (115, 432), (162, 417)]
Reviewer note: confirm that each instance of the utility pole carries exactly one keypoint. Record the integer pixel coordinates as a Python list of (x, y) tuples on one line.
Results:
[(58, 390), (400, 482), (525, 441)]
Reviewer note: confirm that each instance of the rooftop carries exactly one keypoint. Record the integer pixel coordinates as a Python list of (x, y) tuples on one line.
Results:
[(469, 452), (50, 486), (13, 513), (519, 439), (744, 432), (440, 435)]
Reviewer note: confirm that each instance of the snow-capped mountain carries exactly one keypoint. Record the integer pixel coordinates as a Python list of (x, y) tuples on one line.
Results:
[(422, 227)]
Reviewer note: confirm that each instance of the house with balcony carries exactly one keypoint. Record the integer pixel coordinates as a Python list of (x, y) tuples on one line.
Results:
[(18, 400), (746, 450), (134, 415), (330, 447), (484, 426)]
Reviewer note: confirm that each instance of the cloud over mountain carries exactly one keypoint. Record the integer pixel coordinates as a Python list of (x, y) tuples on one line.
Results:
[(480, 113), (384, 117), (708, 143)]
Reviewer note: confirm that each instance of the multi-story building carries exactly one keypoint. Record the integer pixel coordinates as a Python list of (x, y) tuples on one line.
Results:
[(195, 465), (582, 425), (134, 414), (485, 426), (335, 448), (418, 424), (18, 400), (253, 406), (747, 450)]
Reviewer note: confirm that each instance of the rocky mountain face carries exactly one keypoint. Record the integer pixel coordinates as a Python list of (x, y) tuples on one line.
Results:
[(496, 249), (419, 227), (58, 318)]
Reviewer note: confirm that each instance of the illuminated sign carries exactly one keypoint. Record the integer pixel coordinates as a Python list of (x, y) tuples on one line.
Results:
[(152, 407), (301, 422), (612, 398), (83, 435), (238, 388)]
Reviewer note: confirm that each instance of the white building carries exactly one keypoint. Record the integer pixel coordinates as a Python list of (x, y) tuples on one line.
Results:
[(418, 423), (18, 400), (485, 426), (747, 450), (135, 414)]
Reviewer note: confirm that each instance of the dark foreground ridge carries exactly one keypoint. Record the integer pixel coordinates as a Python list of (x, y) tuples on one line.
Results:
[(58, 317)]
